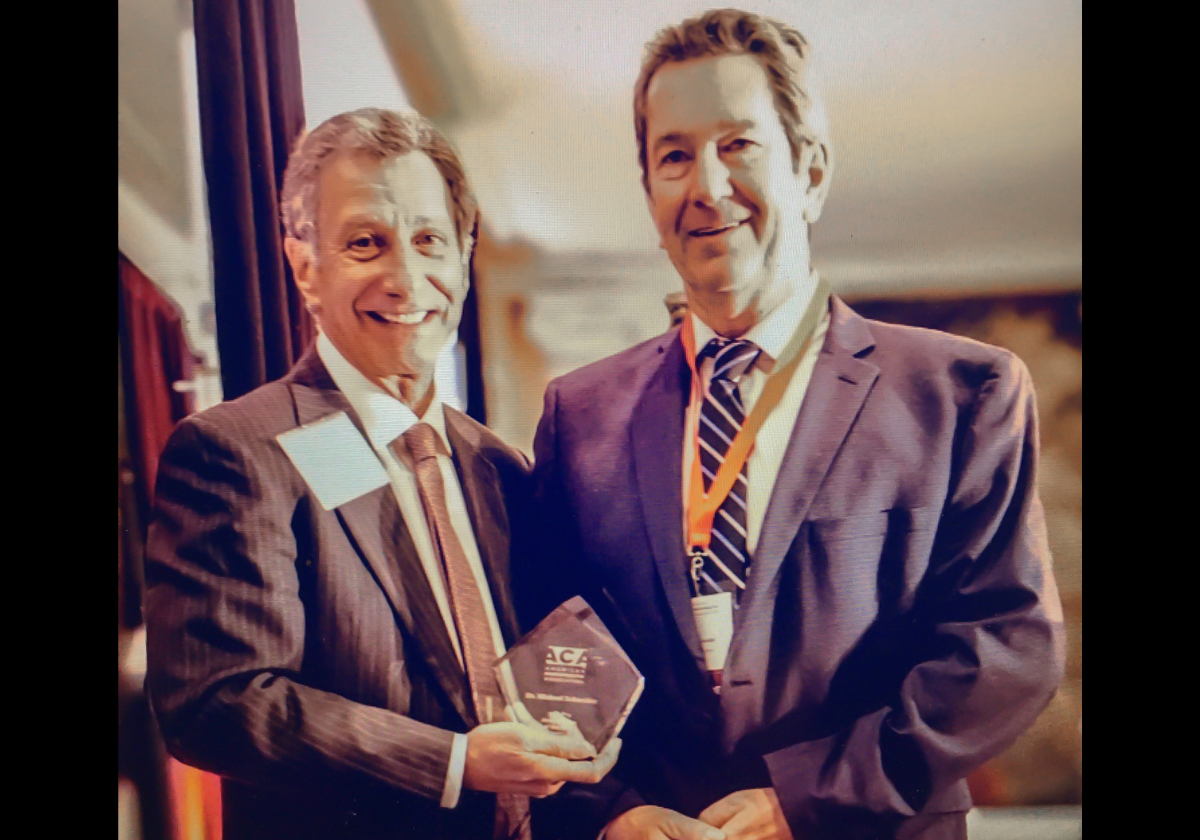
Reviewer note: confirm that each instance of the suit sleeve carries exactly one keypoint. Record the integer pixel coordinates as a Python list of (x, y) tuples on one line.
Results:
[(989, 641), (544, 579), (226, 635)]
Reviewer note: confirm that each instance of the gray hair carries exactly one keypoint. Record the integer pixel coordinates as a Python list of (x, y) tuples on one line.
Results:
[(382, 134)]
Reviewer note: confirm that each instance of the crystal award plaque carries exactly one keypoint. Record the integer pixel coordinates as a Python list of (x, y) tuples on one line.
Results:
[(571, 664)]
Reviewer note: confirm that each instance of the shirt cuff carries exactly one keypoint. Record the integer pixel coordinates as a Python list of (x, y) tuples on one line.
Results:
[(454, 773)]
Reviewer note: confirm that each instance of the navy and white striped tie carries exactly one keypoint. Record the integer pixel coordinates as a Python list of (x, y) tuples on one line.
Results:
[(721, 417)]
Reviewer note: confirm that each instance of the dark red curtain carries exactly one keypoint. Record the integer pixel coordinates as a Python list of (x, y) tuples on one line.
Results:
[(150, 328), (154, 355), (251, 112)]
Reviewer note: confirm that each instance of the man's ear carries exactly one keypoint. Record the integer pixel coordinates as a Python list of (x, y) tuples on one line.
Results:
[(653, 218), (819, 164), (468, 246), (300, 256)]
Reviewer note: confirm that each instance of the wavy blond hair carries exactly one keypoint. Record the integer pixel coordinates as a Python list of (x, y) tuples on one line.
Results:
[(783, 53)]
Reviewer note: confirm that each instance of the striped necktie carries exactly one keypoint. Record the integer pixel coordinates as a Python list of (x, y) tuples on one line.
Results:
[(721, 417), (470, 617)]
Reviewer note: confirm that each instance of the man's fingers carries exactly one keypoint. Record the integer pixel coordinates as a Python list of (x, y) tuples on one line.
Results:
[(561, 769), (545, 790), (551, 767), (562, 724), (536, 789), (549, 743), (738, 823), (679, 827), (720, 812), (607, 758)]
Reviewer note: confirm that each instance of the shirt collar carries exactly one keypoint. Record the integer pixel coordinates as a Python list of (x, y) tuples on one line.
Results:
[(383, 416), (772, 333)]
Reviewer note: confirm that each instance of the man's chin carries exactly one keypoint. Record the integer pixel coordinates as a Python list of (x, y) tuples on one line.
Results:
[(727, 283), (709, 280)]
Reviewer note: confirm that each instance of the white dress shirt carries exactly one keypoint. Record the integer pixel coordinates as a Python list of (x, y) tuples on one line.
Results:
[(385, 419), (771, 335)]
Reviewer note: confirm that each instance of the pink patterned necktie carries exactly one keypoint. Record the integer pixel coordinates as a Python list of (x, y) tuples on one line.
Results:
[(467, 607)]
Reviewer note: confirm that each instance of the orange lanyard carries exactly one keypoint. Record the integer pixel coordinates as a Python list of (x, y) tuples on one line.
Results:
[(702, 506)]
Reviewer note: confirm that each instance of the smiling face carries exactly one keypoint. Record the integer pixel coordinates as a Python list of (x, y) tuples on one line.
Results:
[(387, 279), (731, 210)]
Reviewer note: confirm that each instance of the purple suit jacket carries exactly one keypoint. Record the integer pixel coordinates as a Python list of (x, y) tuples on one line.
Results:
[(901, 625)]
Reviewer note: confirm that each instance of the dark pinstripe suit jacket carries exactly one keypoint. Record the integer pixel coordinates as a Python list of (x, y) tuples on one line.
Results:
[(299, 652)]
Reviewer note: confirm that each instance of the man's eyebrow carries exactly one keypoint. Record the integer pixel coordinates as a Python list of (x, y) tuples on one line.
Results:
[(670, 139), (433, 221), (737, 125), (677, 137), (359, 220)]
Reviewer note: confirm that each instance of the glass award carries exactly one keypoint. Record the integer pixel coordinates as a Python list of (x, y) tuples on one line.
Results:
[(571, 665)]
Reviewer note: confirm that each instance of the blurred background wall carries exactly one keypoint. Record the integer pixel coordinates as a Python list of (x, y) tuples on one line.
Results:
[(956, 202)]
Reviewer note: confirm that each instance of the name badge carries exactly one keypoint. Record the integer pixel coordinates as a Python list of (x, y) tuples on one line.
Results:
[(714, 621), (335, 459)]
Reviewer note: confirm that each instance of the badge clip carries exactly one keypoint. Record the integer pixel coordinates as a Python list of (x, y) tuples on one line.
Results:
[(697, 564)]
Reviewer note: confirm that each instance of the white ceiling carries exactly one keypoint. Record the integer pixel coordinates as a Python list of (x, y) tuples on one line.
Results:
[(343, 63), (958, 129), (957, 126)]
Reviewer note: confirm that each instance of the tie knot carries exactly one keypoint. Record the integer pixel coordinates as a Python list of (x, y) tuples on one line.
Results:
[(731, 357), (421, 440)]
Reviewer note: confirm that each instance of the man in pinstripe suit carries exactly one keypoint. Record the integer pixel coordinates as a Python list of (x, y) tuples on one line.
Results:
[(327, 566)]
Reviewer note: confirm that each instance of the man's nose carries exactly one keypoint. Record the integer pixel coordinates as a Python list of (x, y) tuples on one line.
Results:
[(712, 178), (398, 280)]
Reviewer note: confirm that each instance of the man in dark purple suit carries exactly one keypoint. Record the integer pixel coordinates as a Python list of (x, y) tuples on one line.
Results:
[(817, 536)]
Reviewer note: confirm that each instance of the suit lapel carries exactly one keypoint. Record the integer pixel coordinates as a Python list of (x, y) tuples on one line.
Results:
[(485, 506), (376, 527), (836, 391), (657, 432), (838, 387)]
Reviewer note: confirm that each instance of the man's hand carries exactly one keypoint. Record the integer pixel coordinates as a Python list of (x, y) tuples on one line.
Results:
[(749, 815), (649, 822), (519, 758)]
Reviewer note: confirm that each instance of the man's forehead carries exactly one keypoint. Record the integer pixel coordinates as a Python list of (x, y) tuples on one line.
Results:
[(703, 92), (410, 182)]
